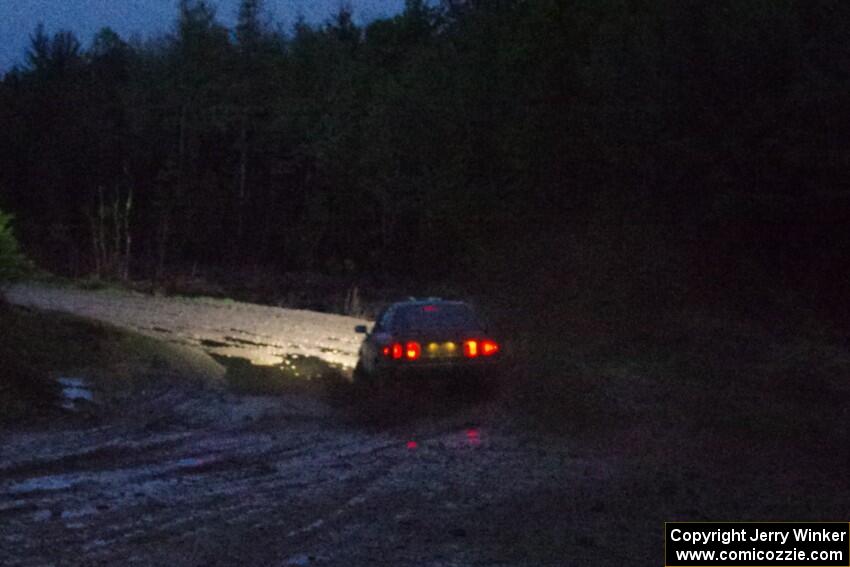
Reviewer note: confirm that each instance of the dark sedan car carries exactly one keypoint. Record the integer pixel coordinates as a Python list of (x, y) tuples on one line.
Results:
[(425, 337)]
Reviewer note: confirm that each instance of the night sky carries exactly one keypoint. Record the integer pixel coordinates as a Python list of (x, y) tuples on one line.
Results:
[(18, 18)]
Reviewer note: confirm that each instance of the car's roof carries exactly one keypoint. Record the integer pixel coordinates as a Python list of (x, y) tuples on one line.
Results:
[(431, 313), (429, 301)]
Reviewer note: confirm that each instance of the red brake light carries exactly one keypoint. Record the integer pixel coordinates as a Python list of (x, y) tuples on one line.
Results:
[(473, 348), (394, 350), (430, 308), (412, 350), (489, 348)]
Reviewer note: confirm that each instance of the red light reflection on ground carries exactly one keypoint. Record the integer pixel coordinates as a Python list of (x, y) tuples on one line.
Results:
[(473, 436), (412, 444)]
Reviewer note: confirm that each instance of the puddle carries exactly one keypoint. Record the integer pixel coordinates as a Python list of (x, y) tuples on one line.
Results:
[(79, 513), (42, 516), (43, 484), (74, 390), (247, 342)]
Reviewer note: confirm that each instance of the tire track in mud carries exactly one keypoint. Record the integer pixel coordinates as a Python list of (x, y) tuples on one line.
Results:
[(231, 497), (330, 492), (91, 459), (247, 481), (226, 464)]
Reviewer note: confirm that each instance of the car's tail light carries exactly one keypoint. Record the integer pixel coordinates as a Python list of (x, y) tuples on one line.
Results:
[(394, 350), (412, 350), (473, 348), (488, 347)]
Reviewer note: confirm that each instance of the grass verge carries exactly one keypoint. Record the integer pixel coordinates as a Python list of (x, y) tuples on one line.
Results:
[(39, 347)]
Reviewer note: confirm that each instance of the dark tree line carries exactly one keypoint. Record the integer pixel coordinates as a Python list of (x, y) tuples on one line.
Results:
[(683, 139)]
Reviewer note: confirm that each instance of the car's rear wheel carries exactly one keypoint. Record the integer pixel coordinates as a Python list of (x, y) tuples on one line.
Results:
[(363, 379)]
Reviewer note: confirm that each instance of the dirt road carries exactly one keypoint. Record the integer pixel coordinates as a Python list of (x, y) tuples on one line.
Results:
[(409, 476), (262, 334), (260, 481)]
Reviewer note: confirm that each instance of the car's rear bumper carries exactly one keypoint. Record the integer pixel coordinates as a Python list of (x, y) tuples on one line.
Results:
[(442, 369)]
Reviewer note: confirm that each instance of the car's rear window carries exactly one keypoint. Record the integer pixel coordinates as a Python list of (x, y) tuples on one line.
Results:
[(435, 317)]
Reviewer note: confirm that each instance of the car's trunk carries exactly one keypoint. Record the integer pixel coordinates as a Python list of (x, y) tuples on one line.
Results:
[(442, 345)]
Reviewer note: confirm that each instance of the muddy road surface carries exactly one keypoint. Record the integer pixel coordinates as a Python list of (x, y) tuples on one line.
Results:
[(318, 474), (216, 479)]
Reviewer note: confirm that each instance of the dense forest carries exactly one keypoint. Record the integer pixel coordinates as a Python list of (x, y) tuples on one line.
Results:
[(678, 148)]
